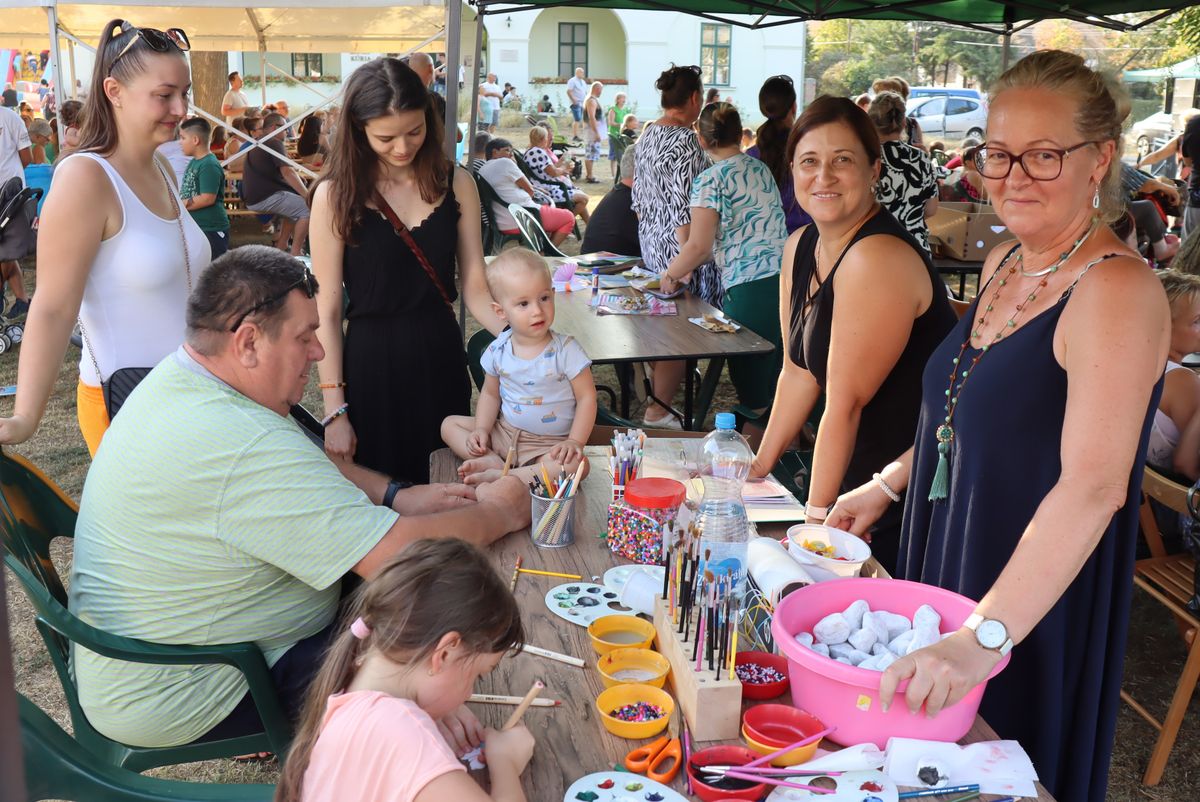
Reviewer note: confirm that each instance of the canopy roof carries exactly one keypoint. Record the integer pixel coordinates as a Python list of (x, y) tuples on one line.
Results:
[(1000, 16), (1188, 68), (315, 26)]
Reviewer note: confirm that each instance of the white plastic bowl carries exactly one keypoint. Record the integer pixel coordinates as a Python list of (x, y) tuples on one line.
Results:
[(853, 549)]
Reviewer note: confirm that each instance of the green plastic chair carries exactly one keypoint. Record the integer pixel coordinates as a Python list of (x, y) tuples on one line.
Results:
[(33, 512), (57, 767), (532, 233), (493, 238)]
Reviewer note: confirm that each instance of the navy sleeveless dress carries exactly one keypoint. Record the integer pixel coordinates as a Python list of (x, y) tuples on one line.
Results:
[(1059, 694), (885, 428)]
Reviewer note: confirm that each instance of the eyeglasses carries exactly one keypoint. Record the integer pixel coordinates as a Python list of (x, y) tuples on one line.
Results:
[(305, 282), (1040, 164), (156, 40)]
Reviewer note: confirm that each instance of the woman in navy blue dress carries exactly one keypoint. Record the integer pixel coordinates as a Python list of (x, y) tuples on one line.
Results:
[(1025, 474)]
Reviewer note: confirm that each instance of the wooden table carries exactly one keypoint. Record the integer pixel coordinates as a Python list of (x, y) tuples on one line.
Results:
[(571, 741), (624, 339)]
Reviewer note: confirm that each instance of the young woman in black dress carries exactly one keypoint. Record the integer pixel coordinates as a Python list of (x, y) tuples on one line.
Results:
[(390, 217)]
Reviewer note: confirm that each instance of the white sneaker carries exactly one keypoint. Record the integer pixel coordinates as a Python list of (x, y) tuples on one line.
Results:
[(667, 422)]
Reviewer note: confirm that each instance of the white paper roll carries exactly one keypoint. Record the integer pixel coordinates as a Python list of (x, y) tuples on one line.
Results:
[(773, 569)]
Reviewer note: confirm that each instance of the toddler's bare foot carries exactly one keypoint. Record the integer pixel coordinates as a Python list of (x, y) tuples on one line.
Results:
[(485, 463), (483, 477)]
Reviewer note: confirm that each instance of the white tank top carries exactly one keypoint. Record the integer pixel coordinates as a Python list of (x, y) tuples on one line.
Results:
[(1164, 434), (135, 299)]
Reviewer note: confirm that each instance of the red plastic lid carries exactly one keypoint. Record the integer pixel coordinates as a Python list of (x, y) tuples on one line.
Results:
[(653, 493)]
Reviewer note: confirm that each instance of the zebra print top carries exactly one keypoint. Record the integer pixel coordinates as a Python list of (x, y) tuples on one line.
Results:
[(905, 183), (667, 160)]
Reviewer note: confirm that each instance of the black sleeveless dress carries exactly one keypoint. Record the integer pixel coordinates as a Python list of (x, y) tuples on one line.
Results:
[(404, 363), (1059, 694), (889, 420)]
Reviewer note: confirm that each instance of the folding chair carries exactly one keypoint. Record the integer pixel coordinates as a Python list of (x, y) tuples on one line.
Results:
[(532, 233), (33, 512), (493, 238), (1170, 579)]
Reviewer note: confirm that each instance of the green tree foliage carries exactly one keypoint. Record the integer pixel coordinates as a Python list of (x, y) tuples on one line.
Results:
[(1187, 24)]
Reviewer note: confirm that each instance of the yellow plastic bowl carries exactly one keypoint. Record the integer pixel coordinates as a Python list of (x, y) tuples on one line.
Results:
[(801, 754), (620, 632), (651, 666), (621, 695)]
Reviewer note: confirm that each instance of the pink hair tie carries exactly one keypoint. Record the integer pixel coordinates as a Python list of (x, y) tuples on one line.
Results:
[(359, 629)]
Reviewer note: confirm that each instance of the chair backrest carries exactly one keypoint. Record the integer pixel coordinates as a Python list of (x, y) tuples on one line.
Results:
[(58, 767), (478, 343), (33, 512), (532, 233), (1167, 492), (491, 231)]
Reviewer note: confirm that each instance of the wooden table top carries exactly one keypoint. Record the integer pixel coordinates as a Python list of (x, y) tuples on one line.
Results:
[(571, 741)]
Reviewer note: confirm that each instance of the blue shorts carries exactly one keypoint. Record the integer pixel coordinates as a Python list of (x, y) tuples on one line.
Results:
[(577, 112), (592, 151)]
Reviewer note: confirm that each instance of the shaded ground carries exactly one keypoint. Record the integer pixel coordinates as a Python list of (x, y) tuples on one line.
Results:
[(1155, 654)]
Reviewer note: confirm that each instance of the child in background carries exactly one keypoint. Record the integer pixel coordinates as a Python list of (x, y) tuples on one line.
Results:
[(630, 126), (203, 186), (539, 383), (435, 619)]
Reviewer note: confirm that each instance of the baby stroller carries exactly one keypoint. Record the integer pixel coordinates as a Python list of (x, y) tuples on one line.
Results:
[(18, 239)]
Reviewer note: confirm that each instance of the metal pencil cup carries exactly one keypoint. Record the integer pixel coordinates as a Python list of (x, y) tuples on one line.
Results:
[(553, 521)]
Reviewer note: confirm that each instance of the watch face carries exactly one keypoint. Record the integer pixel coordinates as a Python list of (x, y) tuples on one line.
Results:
[(991, 634)]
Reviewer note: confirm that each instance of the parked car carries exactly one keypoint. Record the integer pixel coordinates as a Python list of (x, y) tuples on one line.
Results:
[(949, 118), (1153, 132), (916, 92)]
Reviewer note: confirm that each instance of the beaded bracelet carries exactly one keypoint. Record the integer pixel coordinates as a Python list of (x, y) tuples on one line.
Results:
[(885, 487), (337, 413), (331, 385)]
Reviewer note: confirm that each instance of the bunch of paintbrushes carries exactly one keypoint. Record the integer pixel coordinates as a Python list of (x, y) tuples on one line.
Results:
[(626, 461), (695, 594), (549, 529)]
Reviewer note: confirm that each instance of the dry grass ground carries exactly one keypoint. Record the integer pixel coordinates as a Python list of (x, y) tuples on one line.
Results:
[(1155, 654)]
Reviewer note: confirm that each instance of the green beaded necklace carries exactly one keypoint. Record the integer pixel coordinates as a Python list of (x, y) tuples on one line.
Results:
[(945, 432)]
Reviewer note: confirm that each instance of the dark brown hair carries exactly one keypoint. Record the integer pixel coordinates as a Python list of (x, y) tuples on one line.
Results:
[(678, 85), (98, 125), (775, 100), (828, 109), (720, 125), (378, 88), (430, 589)]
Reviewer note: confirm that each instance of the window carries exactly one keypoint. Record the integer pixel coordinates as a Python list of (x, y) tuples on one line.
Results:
[(931, 108), (306, 65), (960, 106), (714, 53), (572, 48)]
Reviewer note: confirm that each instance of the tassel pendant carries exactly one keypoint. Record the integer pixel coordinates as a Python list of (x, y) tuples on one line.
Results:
[(940, 486)]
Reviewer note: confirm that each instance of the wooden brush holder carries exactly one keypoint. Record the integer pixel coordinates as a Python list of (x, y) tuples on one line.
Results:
[(712, 707)]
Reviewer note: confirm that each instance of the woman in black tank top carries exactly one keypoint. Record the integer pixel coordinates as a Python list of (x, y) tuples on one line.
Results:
[(863, 309)]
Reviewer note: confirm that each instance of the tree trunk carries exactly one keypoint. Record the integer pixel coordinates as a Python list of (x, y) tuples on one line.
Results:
[(210, 73)]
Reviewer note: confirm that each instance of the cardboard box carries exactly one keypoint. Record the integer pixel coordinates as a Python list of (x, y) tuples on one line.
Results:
[(966, 232)]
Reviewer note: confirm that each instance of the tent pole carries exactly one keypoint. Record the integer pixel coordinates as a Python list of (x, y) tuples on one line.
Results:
[(474, 78), (55, 55), (262, 50), (74, 78), (1007, 39), (453, 56)]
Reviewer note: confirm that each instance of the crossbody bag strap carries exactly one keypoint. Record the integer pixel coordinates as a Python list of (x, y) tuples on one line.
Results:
[(406, 235)]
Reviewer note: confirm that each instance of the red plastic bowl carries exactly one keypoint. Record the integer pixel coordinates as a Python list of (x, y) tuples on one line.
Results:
[(723, 756), (766, 690), (780, 725)]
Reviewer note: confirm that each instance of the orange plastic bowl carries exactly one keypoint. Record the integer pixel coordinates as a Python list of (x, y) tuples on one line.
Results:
[(765, 690)]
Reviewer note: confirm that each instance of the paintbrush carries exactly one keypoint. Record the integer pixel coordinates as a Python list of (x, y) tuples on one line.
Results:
[(536, 572), (949, 789), (500, 699), (512, 452), (515, 718), (512, 586)]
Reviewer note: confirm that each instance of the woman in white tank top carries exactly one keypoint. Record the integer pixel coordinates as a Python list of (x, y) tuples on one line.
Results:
[(115, 248), (1181, 387)]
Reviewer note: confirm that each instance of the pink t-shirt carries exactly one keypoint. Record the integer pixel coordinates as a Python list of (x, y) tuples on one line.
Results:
[(376, 747)]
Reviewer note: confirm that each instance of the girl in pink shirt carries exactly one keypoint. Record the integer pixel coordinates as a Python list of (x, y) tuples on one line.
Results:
[(433, 620)]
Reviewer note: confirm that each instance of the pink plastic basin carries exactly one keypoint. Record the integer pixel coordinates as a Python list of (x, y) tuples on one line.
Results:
[(848, 697)]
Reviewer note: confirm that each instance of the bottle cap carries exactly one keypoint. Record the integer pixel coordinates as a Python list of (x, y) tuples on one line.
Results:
[(655, 493), (726, 421)]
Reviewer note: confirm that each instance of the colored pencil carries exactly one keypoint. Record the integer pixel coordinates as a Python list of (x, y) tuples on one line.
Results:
[(512, 586), (515, 718), (500, 699), (562, 658), (512, 452), (950, 789), (536, 572)]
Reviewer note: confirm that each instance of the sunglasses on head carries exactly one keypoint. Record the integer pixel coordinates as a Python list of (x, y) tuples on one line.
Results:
[(156, 40), (306, 282), (787, 78)]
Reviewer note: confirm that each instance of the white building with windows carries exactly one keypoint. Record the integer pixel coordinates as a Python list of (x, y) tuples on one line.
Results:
[(537, 51)]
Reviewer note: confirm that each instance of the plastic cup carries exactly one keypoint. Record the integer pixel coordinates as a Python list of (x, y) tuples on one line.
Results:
[(552, 523), (640, 591)]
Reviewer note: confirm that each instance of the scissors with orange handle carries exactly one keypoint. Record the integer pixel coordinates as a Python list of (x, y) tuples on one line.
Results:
[(649, 759)]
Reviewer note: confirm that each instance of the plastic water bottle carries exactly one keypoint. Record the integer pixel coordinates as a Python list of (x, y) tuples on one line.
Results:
[(724, 528)]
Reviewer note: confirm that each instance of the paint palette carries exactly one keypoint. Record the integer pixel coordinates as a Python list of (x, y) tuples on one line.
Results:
[(853, 786), (615, 578), (583, 602), (619, 786)]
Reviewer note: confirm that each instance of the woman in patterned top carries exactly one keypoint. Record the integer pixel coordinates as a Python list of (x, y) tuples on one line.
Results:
[(669, 158), (907, 186), (551, 174), (738, 217)]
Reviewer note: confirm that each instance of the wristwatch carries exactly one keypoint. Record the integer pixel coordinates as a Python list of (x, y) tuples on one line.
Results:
[(819, 513), (394, 487), (989, 633)]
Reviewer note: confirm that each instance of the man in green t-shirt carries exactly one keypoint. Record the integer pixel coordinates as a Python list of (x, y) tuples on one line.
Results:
[(209, 516), (203, 188)]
